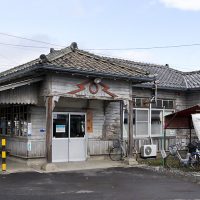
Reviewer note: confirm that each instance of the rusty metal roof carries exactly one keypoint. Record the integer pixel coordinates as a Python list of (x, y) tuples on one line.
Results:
[(181, 119)]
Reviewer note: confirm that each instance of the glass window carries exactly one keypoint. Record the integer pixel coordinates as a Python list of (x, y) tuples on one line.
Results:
[(138, 103), (77, 125), (159, 103), (142, 115), (156, 123), (125, 117), (14, 120), (61, 125), (141, 123), (171, 104), (165, 104)]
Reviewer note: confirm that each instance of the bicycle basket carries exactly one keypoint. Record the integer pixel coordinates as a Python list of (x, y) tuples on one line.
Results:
[(173, 149)]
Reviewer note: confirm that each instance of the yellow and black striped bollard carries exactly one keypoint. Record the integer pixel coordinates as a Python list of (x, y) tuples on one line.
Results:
[(3, 154)]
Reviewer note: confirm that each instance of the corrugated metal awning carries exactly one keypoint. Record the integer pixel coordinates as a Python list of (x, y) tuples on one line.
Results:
[(23, 92), (20, 83)]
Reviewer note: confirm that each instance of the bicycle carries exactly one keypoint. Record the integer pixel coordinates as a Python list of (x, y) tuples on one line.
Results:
[(119, 150), (175, 160)]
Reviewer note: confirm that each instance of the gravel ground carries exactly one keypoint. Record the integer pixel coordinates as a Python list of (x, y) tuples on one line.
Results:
[(190, 176)]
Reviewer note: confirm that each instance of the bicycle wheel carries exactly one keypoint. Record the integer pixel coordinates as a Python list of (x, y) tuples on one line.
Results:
[(172, 162), (115, 154), (195, 161)]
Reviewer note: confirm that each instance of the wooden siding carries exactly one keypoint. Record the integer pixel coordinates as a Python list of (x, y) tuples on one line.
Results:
[(38, 148), (98, 146), (38, 121), (61, 85), (16, 146), (193, 98)]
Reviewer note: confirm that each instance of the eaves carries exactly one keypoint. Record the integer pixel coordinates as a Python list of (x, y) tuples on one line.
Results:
[(161, 87), (63, 69)]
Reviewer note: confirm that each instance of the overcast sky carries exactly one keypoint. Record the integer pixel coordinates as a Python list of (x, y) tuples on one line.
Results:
[(100, 24)]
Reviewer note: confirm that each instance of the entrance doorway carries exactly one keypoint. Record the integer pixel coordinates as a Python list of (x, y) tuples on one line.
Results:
[(69, 137)]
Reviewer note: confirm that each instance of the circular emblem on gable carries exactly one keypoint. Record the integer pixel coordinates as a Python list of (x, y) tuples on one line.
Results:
[(93, 88)]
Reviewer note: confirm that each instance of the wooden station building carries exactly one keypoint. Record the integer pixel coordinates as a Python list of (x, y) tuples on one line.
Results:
[(67, 105)]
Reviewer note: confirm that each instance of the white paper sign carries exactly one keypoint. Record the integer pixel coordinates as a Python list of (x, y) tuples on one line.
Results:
[(196, 124), (60, 128), (29, 146)]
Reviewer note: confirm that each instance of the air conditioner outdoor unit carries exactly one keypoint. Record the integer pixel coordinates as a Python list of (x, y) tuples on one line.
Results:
[(148, 151)]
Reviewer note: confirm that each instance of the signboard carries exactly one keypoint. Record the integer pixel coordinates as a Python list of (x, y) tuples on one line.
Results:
[(29, 129), (89, 121), (60, 128)]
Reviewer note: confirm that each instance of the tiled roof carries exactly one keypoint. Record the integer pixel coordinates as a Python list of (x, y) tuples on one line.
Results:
[(166, 76), (73, 59), (192, 79)]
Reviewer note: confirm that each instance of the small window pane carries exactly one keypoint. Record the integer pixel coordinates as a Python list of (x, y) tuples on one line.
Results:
[(138, 103), (171, 104), (165, 104), (159, 103), (142, 129), (142, 115), (145, 103), (125, 117)]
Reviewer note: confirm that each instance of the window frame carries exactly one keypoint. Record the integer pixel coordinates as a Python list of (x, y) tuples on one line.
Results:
[(149, 134), (135, 129)]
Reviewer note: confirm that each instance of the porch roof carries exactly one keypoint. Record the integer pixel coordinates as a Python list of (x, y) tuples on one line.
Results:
[(181, 119)]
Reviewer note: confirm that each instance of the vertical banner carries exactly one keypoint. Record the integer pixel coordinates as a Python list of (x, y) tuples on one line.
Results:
[(89, 121)]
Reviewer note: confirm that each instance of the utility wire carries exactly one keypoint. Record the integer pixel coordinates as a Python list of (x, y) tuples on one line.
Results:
[(117, 49), (146, 48), (93, 49), (26, 46), (24, 38)]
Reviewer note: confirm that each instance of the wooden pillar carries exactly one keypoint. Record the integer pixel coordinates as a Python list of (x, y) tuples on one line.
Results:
[(130, 128), (121, 119), (49, 125)]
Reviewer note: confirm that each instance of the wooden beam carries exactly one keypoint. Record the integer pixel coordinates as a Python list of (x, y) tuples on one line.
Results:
[(121, 119), (130, 128), (49, 125)]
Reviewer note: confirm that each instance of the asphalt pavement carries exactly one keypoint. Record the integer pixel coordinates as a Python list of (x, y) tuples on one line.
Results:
[(102, 184)]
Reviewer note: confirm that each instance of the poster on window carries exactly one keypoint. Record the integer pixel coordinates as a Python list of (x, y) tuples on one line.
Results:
[(60, 128)]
